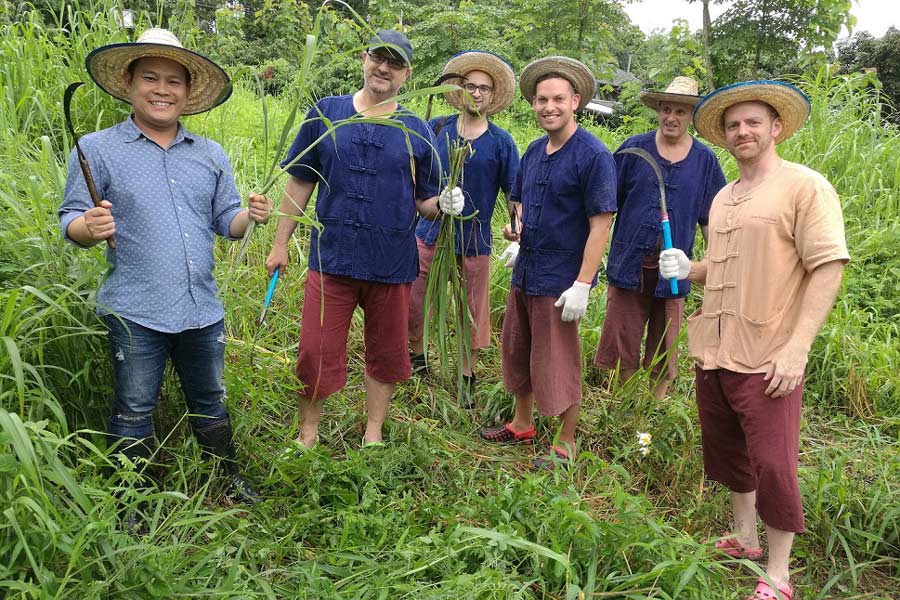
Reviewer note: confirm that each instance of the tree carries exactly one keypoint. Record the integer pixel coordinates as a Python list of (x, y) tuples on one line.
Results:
[(863, 52), (705, 33), (756, 38)]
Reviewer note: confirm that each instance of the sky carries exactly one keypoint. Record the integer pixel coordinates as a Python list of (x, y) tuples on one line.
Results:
[(874, 16)]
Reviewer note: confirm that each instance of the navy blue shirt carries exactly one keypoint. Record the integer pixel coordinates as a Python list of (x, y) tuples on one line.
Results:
[(559, 192), (691, 184), (168, 206), (491, 167), (369, 176)]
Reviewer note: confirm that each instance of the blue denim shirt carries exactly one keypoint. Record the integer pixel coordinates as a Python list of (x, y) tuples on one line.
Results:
[(168, 205), (559, 192), (691, 184), (370, 176), (489, 168)]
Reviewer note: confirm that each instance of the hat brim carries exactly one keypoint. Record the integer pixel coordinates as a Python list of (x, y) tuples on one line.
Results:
[(573, 70), (488, 62), (210, 84), (792, 105), (654, 99)]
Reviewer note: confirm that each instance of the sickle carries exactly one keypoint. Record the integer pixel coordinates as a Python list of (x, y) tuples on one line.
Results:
[(440, 80), (664, 214), (85, 167)]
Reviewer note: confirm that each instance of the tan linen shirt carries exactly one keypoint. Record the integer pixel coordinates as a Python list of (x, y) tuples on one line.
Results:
[(763, 245)]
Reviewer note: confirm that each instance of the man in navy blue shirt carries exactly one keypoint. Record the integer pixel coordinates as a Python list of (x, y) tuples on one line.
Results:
[(166, 193), (489, 84), (565, 196), (373, 178), (637, 298)]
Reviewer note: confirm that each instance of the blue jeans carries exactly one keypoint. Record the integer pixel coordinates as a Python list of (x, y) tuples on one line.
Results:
[(139, 359)]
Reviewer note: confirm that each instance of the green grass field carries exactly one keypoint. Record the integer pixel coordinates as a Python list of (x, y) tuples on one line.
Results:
[(436, 514)]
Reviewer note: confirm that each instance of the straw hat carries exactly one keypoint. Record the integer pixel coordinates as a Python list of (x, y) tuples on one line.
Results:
[(478, 60), (682, 90), (573, 70), (789, 101), (107, 66)]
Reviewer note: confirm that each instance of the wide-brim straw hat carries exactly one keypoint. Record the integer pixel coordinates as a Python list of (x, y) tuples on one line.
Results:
[(575, 71), (107, 66), (500, 71), (682, 90), (788, 100)]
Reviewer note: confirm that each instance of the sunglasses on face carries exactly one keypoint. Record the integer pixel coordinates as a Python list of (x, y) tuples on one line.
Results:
[(482, 89), (380, 59)]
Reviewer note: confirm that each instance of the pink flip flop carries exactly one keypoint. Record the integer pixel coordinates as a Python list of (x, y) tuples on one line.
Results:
[(733, 548), (764, 591)]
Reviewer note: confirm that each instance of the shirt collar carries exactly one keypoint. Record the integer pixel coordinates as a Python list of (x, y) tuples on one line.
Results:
[(131, 132)]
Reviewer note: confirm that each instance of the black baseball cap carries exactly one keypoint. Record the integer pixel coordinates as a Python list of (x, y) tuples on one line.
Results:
[(393, 42)]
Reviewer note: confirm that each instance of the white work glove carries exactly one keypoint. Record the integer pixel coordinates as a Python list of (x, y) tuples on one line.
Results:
[(674, 264), (574, 301), (451, 201), (509, 256)]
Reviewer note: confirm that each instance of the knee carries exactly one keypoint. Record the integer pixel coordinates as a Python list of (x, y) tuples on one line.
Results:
[(128, 424)]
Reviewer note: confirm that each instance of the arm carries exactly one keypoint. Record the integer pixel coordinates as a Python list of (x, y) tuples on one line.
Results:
[(297, 193), (429, 208), (95, 225), (258, 208), (595, 247), (789, 365)]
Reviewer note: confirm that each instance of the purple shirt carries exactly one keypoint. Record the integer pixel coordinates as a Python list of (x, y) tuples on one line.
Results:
[(691, 184), (370, 176), (559, 192), (490, 168), (168, 205)]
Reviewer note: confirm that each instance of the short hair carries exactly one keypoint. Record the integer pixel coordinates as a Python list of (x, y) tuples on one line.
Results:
[(554, 75), (132, 67)]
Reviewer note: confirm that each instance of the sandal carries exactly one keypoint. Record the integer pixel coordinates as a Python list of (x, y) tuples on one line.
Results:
[(506, 435), (764, 591), (733, 548), (549, 461), (294, 449), (373, 445)]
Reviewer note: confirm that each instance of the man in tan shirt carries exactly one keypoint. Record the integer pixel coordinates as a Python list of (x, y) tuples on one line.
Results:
[(770, 277)]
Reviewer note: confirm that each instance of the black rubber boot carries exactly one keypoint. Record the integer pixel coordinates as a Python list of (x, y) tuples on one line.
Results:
[(467, 392), (419, 365), (216, 441), (139, 453)]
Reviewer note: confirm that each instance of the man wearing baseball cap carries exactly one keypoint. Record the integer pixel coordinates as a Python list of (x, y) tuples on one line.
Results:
[(373, 178), (488, 87), (770, 276), (564, 197), (637, 298), (166, 193)]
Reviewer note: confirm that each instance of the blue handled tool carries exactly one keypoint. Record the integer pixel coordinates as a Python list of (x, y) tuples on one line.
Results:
[(269, 293), (664, 213)]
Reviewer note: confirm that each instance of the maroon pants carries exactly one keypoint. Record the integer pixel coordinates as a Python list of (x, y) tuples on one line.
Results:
[(322, 360), (752, 441), (541, 353)]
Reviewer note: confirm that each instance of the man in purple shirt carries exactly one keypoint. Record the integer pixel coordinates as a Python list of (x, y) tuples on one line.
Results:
[(489, 83), (166, 193), (373, 178), (637, 298), (565, 196)]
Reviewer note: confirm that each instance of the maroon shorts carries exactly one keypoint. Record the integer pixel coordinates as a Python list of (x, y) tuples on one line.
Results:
[(322, 361), (628, 312), (477, 273), (541, 353), (751, 442)]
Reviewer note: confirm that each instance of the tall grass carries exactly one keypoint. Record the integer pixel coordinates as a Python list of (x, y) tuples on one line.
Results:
[(436, 514)]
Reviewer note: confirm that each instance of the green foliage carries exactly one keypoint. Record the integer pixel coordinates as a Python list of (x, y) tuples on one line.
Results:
[(863, 52)]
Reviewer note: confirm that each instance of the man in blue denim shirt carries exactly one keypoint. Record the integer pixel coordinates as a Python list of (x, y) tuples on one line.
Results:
[(565, 194), (373, 178), (637, 298), (166, 193)]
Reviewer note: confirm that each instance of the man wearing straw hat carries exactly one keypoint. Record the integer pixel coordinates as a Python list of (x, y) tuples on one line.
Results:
[(637, 299), (565, 197), (373, 178), (166, 193), (489, 84), (770, 277)]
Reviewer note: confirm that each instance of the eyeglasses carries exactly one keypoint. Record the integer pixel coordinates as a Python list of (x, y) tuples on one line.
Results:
[(483, 89), (380, 59)]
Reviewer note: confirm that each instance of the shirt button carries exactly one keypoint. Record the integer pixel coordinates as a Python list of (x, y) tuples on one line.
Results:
[(190, 262), (180, 208), (186, 235), (171, 181)]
